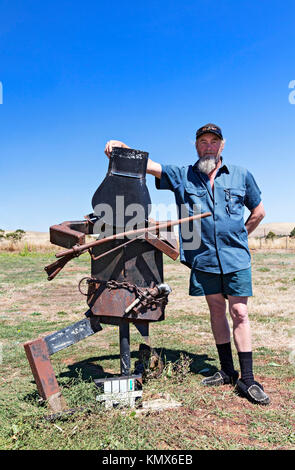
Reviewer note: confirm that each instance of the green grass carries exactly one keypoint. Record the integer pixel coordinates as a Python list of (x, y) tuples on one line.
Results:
[(207, 419)]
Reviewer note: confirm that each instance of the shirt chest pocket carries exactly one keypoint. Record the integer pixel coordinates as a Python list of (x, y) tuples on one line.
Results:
[(195, 200), (234, 199), (195, 193)]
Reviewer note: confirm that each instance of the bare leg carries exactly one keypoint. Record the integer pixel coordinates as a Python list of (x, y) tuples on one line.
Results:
[(242, 338), (219, 323), (221, 333), (241, 325)]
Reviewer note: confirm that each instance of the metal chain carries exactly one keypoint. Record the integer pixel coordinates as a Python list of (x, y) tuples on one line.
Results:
[(145, 297)]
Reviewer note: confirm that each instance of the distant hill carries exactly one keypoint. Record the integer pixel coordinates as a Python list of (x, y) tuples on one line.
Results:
[(279, 228)]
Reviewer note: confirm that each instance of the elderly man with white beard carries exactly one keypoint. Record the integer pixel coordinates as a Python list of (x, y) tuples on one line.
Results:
[(221, 263)]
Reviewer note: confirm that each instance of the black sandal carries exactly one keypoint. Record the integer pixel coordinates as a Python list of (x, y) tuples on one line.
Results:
[(221, 378), (254, 393)]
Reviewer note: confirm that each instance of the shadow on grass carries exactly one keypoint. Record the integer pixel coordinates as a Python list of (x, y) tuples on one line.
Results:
[(91, 368)]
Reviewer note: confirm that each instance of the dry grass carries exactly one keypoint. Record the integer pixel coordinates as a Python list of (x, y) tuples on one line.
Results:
[(282, 243), (208, 419), (39, 242), (32, 242)]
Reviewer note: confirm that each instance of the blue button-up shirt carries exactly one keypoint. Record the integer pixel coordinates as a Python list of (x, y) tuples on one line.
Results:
[(223, 245)]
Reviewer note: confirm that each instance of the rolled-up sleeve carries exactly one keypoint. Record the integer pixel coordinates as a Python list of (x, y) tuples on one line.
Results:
[(170, 177), (252, 196)]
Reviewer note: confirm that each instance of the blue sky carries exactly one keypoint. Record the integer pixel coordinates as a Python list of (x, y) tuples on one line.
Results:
[(76, 74)]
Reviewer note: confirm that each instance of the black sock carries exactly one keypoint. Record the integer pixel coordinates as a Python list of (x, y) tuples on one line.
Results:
[(246, 365), (226, 358)]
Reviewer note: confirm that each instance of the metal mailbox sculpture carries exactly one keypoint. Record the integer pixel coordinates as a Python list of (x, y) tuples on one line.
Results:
[(126, 283)]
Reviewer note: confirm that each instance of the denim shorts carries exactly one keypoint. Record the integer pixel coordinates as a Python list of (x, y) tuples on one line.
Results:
[(238, 283)]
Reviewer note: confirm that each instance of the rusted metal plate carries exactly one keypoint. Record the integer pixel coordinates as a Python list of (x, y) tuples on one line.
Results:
[(116, 321), (113, 303), (38, 357), (162, 245), (170, 237), (139, 263)]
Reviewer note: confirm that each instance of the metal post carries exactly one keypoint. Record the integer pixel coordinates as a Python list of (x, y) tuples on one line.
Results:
[(38, 357), (143, 328), (124, 347)]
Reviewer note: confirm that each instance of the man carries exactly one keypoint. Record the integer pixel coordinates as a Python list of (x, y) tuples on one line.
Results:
[(221, 265)]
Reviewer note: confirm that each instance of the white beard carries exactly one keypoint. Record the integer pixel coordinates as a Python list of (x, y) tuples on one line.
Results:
[(207, 163)]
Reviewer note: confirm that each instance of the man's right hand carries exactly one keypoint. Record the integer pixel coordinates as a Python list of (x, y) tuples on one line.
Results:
[(153, 168), (113, 143)]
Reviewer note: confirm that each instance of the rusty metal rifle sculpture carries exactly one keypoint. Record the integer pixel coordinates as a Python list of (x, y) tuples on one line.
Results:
[(126, 283)]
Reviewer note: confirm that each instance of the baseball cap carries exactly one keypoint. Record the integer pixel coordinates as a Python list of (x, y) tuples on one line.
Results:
[(211, 128)]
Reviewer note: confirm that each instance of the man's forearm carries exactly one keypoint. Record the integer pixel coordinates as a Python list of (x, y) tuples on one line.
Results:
[(154, 168), (255, 218)]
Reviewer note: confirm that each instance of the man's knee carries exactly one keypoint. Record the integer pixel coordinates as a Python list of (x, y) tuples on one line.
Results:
[(239, 313)]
